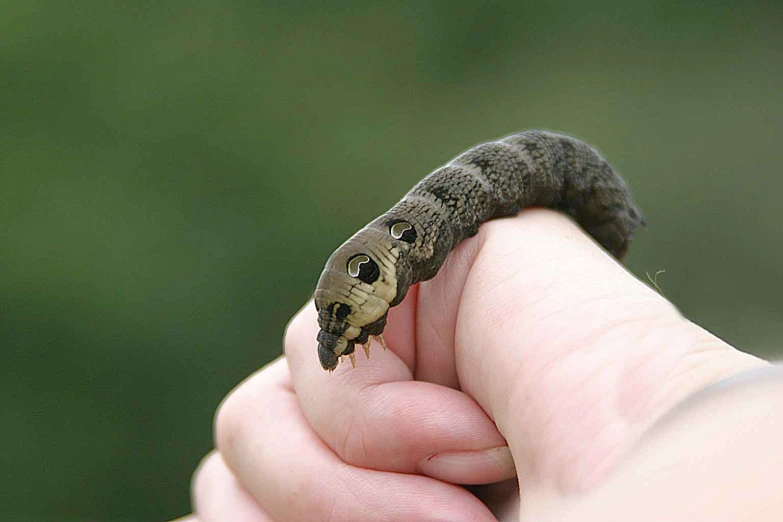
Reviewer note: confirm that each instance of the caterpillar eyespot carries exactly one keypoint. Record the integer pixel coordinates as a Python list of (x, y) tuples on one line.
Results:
[(364, 268), (410, 242), (341, 311), (404, 231)]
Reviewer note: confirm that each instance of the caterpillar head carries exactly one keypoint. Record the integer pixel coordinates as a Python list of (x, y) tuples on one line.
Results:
[(360, 282)]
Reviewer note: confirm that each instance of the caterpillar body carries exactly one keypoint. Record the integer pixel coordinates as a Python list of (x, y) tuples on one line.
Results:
[(373, 270)]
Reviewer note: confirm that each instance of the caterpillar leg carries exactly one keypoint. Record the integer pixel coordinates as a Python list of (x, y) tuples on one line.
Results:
[(366, 347), (382, 341)]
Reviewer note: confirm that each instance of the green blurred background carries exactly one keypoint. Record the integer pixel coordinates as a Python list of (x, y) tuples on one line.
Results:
[(173, 179)]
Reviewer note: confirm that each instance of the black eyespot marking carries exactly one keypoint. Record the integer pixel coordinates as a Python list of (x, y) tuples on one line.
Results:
[(341, 311), (355, 263), (363, 267), (403, 231)]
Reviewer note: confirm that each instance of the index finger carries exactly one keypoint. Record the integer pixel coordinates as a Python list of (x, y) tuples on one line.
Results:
[(378, 417)]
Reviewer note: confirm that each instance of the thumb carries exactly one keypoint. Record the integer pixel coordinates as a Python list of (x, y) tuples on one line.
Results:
[(569, 354)]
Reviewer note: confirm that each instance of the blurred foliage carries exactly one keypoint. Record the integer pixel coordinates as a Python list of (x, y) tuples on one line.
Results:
[(175, 177)]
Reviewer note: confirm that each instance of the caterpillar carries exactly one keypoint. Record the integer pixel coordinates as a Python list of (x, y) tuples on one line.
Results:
[(373, 270)]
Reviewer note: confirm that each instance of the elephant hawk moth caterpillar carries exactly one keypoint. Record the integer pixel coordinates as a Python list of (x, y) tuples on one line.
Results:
[(373, 270)]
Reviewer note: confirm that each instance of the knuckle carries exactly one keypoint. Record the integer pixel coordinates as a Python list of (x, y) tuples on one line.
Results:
[(228, 418), (203, 475), (247, 401)]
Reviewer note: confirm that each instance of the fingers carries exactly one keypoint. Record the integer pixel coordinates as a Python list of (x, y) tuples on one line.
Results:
[(565, 350), (269, 446), (219, 497), (376, 417)]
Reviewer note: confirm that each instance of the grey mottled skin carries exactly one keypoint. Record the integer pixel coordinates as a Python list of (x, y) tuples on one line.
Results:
[(374, 269)]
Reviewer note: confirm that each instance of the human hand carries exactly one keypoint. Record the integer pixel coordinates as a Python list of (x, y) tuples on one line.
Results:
[(530, 333)]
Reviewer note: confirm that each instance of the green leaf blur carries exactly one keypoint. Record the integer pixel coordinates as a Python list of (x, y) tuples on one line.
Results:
[(174, 176)]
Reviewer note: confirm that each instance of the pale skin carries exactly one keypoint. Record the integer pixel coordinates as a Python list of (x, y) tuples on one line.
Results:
[(531, 343)]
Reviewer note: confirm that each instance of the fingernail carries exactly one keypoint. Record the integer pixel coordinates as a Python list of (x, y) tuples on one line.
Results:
[(470, 467)]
